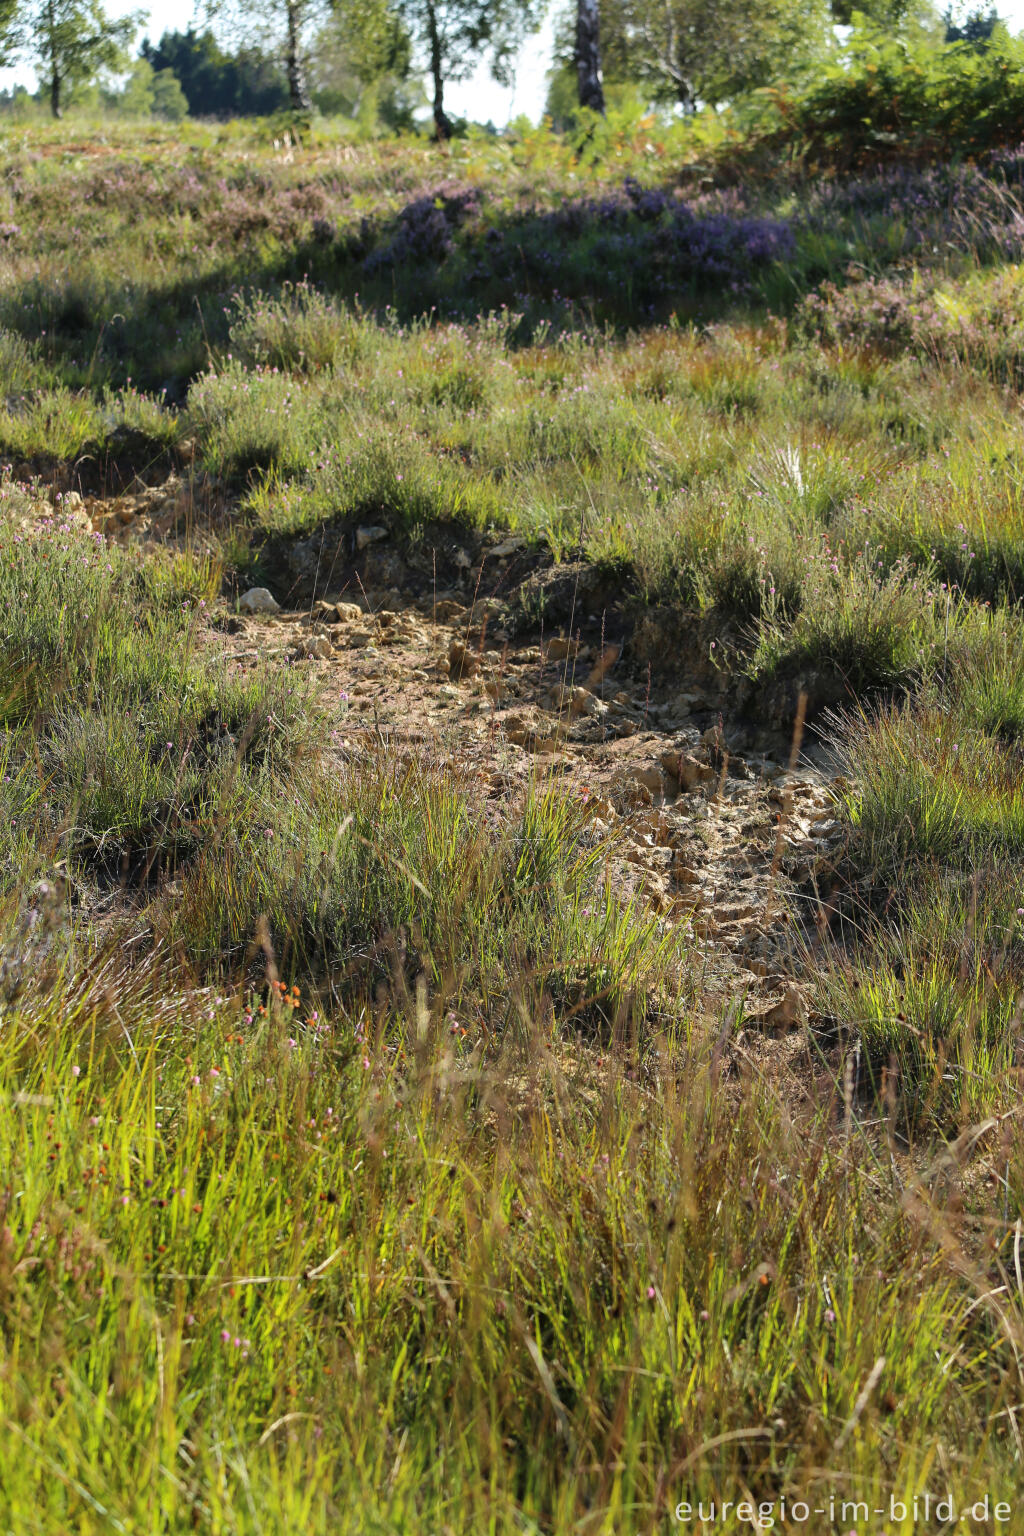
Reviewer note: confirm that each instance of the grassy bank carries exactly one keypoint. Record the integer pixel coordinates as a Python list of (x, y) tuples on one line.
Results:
[(372, 1157)]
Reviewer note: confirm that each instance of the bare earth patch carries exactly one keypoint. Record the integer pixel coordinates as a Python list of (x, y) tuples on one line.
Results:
[(717, 841)]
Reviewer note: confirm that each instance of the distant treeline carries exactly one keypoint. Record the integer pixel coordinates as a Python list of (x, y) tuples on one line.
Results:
[(215, 82)]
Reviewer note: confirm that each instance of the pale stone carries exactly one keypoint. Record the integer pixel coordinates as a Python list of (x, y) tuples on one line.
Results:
[(259, 600)]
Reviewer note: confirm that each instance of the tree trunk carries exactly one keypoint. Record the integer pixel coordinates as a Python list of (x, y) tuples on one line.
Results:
[(297, 89), (588, 56), (442, 124), (55, 76)]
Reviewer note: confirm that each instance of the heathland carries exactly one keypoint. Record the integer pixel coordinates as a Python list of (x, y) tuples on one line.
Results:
[(515, 1026)]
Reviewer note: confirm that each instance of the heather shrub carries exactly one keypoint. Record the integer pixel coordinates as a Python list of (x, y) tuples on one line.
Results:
[(972, 325), (258, 418), (959, 513)]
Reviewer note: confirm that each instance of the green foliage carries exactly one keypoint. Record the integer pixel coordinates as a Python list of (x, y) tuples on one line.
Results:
[(372, 37), (300, 331), (933, 981), (150, 92), (703, 51), (977, 27), (451, 37), (360, 67), (9, 31), (136, 96), (890, 95), (72, 40)]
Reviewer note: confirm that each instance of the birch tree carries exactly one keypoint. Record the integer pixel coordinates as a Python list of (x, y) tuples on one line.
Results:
[(590, 86)]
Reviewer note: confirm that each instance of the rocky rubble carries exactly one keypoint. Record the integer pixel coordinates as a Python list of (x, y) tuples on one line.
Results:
[(698, 815), (146, 515), (713, 839)]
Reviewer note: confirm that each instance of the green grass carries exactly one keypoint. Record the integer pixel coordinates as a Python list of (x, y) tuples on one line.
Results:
[(932, 987), (394, 875), (931, 789), (863, 626), (131, 745), (375, 1275), (934, 1001), (213, 792), (471, 1228)]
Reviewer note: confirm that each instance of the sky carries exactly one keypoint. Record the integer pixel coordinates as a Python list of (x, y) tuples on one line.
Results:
[(478, 98)]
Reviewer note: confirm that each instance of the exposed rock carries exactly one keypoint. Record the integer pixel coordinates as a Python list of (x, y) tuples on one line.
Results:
[(607, 659), (559, 591), (687, 769), (314, 648), (578, 701), (684, 874), (462, 662), (651, 778), (339, 613), (708, 860), (448, 609), (785, 1012), (369, 535), (259, 600)]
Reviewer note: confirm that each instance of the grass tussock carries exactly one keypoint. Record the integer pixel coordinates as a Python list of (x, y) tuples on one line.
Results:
[(932, 988)]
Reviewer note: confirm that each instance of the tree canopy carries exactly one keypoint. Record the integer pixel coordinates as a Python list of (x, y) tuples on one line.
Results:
[(70, 41), (692, 51), (368, 59), (450, 37)]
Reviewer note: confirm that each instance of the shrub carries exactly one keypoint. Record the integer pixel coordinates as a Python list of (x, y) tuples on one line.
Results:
[(888, 97)]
